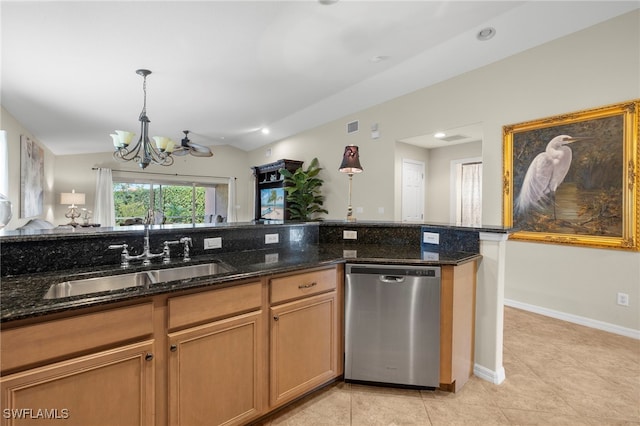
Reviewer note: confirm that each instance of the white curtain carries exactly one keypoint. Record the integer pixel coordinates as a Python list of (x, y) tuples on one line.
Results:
[(104, 211), (231, 207), (471, 194)]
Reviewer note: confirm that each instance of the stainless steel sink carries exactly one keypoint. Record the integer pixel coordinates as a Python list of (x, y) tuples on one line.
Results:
[(96, 285), (191, 271), (137, 279)]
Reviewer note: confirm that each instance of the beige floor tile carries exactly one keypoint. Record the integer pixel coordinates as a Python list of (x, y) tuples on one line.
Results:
[(383, 409), (474, 392), (529, 417), (330, 406), (556, 373), (452, 413)]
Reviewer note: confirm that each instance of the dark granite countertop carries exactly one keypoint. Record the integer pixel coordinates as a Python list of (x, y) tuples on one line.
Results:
[(21, 296)]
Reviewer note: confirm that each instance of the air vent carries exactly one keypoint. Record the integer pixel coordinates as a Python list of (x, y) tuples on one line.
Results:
[(453, 138), (352, 127)]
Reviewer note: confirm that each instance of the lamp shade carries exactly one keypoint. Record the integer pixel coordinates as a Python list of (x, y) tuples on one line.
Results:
[(71, 198), (351, 160)]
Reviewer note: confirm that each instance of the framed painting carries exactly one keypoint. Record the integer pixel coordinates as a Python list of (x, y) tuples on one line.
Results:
[(31, 178), (573, 178)]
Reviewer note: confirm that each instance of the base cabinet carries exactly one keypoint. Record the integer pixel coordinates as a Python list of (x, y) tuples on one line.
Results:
[(215, 372), (114, 387), (304, 341), (222, 356)]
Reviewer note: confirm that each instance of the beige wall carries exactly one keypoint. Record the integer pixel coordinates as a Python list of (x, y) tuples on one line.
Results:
[(14, 130), (439, 177)]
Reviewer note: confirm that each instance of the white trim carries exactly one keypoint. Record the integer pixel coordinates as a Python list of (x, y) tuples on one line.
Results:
[(576, 319), (493, 236), (495, 377)]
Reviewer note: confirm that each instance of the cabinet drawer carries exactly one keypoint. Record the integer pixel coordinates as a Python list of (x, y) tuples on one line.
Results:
[(56, 339), (207, 305), (301, 285)]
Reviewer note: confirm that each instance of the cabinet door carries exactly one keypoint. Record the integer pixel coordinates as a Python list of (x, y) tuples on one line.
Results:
[(114, 387), (216, 372), (304, 346)]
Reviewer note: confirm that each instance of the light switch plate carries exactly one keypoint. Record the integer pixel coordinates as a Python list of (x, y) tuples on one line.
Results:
[(431, 238), (350, 235), (271, 238), (212, 243)]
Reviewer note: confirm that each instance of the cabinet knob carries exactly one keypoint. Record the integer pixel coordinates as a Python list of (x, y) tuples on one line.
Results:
[(276, 317), (173, 348), (148, 356)]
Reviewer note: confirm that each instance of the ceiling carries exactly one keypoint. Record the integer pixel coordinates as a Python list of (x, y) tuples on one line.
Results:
[(225, 69)]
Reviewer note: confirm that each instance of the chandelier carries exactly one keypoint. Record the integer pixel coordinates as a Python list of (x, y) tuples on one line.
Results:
[(143, 152)]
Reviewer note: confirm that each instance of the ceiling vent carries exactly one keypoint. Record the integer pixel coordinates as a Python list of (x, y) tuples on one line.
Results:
[(454, 138), (352, 127)]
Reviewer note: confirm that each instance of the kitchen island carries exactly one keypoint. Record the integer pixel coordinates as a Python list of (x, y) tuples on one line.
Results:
[(253, 311)]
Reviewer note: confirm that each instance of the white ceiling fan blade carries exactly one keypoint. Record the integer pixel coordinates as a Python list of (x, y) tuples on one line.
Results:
[(180, 151), (199, 150)]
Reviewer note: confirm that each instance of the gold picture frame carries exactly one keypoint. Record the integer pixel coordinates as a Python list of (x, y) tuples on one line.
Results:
[(582, 194)]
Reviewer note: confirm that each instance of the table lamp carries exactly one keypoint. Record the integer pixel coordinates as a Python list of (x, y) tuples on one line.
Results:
[(72, 199)]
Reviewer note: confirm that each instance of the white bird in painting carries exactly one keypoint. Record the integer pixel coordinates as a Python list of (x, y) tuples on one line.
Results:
[(545, 173)]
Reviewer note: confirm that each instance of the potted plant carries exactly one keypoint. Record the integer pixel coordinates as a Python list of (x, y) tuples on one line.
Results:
[(304, 201)]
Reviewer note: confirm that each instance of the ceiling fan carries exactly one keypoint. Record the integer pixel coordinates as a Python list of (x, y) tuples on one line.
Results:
[(188, 147)]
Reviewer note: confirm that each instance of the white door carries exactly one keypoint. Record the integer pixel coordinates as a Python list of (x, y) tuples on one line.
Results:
[(412, 191)]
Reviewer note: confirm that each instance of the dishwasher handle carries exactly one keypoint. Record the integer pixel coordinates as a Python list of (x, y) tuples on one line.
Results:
[(392, 278)]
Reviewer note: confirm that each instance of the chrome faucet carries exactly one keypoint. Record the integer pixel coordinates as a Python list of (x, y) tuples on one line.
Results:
[(187, 243), (146, 254)]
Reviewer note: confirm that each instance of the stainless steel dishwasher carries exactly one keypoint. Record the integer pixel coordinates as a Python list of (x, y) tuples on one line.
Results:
[(392, 325)]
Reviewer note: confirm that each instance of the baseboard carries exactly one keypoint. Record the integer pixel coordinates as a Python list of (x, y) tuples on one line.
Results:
[(587, 322), (495, 377)]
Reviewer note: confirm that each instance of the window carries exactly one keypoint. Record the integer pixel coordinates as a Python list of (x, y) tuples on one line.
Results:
[(169, 202)]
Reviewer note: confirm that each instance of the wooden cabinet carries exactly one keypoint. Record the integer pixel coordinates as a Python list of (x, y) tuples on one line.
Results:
[(305, 348), (83, 369), (223, 356), (114, 387), (457, 325), (270, 197), (216, 369)]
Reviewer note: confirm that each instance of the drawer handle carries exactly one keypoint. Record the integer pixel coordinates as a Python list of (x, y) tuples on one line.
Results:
[(173, 348), (301, 286), (148, 356)]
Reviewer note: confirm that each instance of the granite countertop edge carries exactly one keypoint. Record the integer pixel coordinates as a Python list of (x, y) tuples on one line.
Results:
[(21, 297)]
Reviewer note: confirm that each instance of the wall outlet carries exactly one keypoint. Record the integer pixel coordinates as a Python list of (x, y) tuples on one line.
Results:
[(350, 254), (212, 243), (271, 258), (271, 238), (431, 238), (349, 235), (623, 299)]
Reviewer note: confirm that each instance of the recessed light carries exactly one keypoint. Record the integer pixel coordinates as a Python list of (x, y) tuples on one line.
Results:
[(265, 131), (486, 33), (439, 135), (327, 2)]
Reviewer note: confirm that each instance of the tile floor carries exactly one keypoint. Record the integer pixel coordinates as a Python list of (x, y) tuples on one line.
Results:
[(557, 373)]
